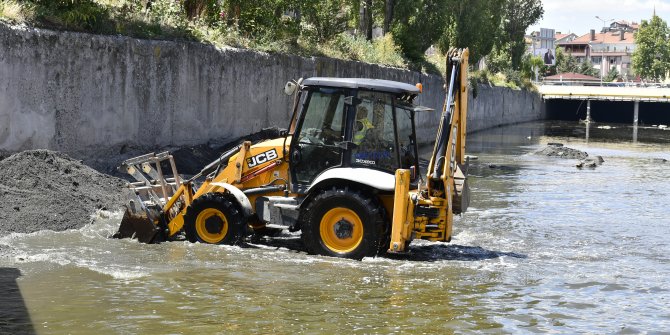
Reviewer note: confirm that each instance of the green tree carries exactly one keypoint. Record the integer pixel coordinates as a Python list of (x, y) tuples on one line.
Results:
[(262, 18), (612, 75), (72, 14), (567, 64), (518, 15), (586, 67), (499, 59), (536, 65), (472, 24), (651, 58), (417, 25), (325, 18)]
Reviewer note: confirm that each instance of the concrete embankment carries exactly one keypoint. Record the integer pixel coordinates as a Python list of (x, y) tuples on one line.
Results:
[(91, 95)]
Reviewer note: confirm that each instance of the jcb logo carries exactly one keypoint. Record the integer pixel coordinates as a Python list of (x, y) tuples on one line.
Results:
[(262, 158)]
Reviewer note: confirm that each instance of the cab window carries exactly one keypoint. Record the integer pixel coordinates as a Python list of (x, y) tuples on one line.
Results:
[(373, 133)]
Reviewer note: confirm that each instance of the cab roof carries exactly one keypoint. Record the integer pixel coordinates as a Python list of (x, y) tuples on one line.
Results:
[(363, 83)]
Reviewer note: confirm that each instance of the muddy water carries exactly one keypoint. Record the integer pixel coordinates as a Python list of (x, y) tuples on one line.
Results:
[(544, 248)]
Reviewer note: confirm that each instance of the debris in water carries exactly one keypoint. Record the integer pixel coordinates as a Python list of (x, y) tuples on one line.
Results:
[(558, 150), (591, 162)]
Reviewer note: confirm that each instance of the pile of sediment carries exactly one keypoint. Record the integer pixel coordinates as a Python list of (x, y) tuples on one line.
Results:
[(560, 151), (42, 189)]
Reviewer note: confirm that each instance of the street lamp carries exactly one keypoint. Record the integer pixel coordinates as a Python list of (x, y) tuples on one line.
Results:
[(602, 49), (604, 20), (602, 59)]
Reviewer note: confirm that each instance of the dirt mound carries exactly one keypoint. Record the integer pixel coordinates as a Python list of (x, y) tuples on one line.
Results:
[(41, 189), (190, 160), (560, 151)]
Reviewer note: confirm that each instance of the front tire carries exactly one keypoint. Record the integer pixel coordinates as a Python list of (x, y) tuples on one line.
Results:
[(344, 223), (214, 219)]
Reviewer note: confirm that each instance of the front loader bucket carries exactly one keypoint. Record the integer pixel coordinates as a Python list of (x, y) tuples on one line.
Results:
[(147, 196), (137, 225)]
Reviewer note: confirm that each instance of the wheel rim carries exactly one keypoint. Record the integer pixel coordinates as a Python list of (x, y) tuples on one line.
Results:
[(341, 230), (211, 225)]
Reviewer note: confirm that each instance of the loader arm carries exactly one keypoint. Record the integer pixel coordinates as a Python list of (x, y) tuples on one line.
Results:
[(428, 214)]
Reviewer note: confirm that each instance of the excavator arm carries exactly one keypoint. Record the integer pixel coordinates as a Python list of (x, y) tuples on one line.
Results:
[(428, 213)]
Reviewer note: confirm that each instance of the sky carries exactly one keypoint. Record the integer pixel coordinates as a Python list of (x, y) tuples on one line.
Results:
[(579, 16)]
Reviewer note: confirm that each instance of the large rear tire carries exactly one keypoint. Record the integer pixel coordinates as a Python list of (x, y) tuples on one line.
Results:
[(344, 223), (214, 219)]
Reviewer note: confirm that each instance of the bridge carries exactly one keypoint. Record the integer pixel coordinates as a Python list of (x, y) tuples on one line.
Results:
[(611, 92), (607, 93)]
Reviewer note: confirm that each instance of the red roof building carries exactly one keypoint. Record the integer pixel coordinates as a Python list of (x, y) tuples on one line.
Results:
[(612, 48)]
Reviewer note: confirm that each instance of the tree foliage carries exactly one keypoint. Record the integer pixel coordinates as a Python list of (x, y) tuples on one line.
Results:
[(586, 67), (612, 75), (566, 63), (472, 24), (494, 27), (518, 15), (417, 25), (651, 58), (327, 18)]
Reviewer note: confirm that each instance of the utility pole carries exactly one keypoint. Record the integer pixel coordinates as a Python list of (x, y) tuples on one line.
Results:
[(602, 50)]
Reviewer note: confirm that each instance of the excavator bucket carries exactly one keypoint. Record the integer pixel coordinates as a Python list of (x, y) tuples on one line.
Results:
[(149, 194), (137, 224)]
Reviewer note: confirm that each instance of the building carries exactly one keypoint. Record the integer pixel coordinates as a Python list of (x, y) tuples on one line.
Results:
[(621, 25), (606, 50), (543, 44), (564, 38)]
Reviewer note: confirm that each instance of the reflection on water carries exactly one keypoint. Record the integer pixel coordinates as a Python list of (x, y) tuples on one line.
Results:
[(545, 247)]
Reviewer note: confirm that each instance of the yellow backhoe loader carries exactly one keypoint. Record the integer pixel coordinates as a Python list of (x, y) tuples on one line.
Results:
[(345, 173)]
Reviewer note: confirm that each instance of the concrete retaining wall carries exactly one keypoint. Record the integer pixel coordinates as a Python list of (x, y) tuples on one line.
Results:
[(496, 106), (86, 94)]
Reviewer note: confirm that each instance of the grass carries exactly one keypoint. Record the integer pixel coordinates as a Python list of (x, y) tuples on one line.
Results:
[(14, 12), (379, 51), (166, 20), (509, 79)]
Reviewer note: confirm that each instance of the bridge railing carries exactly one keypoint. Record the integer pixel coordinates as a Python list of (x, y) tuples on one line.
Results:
[(604, 84)]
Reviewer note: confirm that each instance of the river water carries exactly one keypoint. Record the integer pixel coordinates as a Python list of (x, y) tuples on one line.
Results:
[(544, 248)]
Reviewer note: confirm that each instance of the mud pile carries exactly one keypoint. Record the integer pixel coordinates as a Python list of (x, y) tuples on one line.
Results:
[(560, 151), (190, 160), (41, 189)]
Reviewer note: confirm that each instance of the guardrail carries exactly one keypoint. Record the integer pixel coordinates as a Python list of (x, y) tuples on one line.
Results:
[(611, 93), (598, 84)]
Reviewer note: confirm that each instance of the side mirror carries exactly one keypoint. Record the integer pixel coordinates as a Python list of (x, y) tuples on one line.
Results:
[(290, 88)]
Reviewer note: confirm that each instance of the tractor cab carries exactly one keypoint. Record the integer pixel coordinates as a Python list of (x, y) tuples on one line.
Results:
[(345, 125)]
